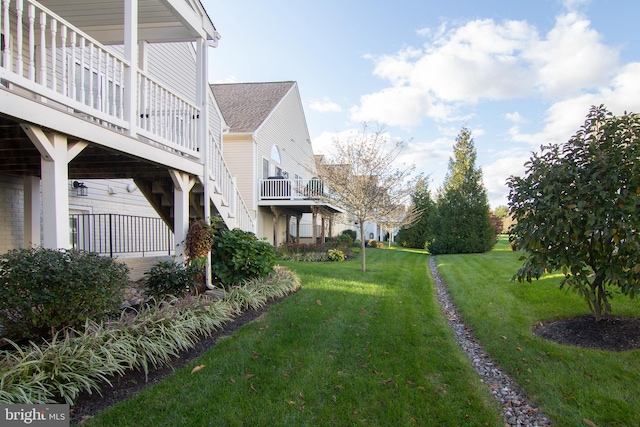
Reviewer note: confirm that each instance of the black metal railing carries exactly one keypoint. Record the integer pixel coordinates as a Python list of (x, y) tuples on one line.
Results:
[(114, 234)]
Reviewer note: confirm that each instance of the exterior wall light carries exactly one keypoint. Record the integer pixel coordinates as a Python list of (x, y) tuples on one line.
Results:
[(81, 188)]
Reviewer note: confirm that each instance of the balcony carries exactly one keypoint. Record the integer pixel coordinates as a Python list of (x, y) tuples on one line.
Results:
[(45, 56), (63, 67), (279, 188)]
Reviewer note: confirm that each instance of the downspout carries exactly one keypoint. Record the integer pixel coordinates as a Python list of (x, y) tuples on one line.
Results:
[(203, 93), (203, 136)]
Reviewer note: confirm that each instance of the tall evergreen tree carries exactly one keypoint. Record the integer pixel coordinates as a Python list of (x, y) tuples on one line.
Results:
[(418, 234), (462, 221)]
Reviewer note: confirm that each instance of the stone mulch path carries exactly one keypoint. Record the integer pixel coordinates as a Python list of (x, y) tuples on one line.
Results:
[(517, 410)]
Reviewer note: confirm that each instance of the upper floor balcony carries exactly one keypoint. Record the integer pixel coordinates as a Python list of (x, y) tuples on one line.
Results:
[(86, 61), (49, 58), (280, 188)]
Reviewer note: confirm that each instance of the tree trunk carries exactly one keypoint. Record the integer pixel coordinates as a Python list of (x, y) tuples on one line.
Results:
[(362, 246), (598, 299)]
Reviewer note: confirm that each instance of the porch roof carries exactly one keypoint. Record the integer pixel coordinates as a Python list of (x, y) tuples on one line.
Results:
[(301, 206), (158, 20)]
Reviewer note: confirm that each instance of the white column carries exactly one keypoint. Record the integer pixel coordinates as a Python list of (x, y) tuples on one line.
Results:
[(32, 210), (55, 193), (182, 184), (131, 56)]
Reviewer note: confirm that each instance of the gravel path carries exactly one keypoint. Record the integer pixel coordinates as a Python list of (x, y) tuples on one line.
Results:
[(516, 408)]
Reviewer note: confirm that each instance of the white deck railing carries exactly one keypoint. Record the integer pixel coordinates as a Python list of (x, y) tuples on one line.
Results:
[(291, 189), (225, 185), (165, 116), (48, 57)]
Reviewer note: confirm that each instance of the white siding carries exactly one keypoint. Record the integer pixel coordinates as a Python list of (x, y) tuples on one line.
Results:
[(112, 196), (174, 65), (11, 213)]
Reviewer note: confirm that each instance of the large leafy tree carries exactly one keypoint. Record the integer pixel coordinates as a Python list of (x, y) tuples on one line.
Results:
[(418, 233), (578, 210), (462, 221), (363, 178)]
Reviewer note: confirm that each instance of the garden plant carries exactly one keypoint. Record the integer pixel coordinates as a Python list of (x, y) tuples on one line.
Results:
[(577, 211)]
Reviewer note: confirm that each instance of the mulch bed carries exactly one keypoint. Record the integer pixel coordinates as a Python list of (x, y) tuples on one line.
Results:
[(135, 381), (618, 333)]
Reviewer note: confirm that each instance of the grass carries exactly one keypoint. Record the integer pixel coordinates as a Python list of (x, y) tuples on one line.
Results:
[(348, 349), (570, 384)]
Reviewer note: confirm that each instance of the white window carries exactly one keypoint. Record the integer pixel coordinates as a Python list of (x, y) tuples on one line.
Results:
[(275, 154)]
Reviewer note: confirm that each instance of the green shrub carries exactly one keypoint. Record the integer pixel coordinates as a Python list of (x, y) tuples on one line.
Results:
[(336, 255), (344, 241), (46, 290), (170, 278), (312, 252), (238, 255), (351, 233)]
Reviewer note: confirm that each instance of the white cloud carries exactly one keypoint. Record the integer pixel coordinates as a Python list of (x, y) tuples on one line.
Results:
[(496, 173), (395, 106), (324, 143), (514, 117), (564, 118), (482, 60), (325, 105), (571, 58)]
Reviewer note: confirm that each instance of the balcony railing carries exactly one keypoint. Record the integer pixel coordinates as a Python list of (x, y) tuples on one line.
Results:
[(115, 234), (46, 55), (277, 188), (49, 58)]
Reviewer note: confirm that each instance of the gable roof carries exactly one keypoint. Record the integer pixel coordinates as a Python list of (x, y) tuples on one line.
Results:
[(245, 106)]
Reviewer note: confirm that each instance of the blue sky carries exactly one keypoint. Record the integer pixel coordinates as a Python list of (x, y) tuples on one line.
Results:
[(517, 73)]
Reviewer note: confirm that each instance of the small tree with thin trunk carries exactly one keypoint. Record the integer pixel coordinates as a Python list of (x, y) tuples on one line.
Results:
[(578, 210), (398, 217), (362, 177)]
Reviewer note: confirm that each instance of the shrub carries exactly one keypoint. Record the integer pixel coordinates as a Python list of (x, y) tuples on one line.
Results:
[(351, 233), (372, 243), (238, 255), (313, 252), (336, 255), (170, 278), (44, 290), (76, 361), (344, 241)]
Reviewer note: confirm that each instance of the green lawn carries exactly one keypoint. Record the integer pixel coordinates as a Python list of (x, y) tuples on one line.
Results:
[(349, 348), (570, 384)]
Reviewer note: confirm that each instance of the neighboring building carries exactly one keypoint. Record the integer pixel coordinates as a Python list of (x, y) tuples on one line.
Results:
[(267, 148), (115, 105)]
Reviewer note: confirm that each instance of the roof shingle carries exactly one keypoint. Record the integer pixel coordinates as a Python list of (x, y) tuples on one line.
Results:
[(245, 106)]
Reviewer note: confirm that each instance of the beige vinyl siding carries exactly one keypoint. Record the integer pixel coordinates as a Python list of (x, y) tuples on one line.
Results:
[(286, 127), (238, 154)]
